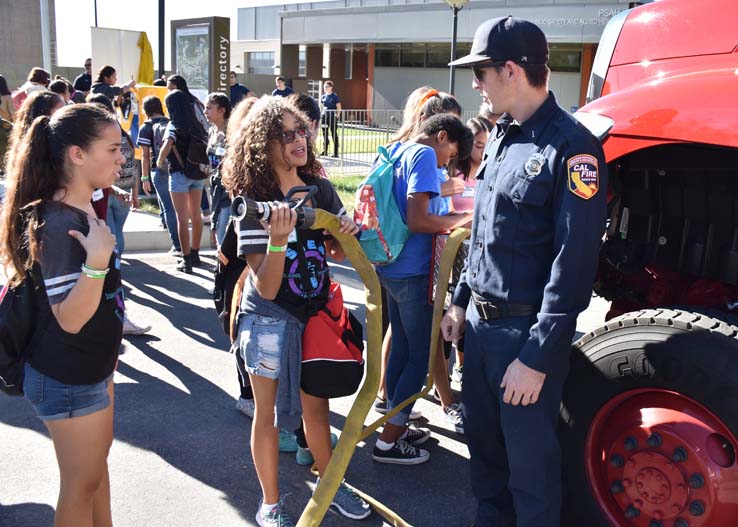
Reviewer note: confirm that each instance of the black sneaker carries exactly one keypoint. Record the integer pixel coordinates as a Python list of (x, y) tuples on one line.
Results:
[(401, 453), (381, 406), (416, 436), (195, 258), (185, 264)]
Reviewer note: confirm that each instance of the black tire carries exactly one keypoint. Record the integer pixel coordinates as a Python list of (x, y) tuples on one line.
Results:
[(689, 353)]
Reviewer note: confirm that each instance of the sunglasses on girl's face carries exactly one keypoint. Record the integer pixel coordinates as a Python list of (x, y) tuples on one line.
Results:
[(292, 135), (478, 69)]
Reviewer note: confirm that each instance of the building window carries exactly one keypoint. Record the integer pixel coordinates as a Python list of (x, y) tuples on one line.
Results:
[(412, 56), (261, 63), (314, 89), (565, 58), (431, 55), (437, 55), (387, 56), (349, 63), (302, 61)]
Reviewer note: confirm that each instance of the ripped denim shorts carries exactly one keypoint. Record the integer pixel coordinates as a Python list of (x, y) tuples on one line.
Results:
[(260, 343)]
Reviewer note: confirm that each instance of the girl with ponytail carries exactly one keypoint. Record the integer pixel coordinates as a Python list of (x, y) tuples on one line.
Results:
[(48, 226)]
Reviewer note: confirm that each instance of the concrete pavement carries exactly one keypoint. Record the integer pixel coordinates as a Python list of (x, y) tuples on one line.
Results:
[(181, 451)]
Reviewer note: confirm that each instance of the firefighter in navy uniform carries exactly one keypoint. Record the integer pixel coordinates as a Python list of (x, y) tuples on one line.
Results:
[(539, 217)]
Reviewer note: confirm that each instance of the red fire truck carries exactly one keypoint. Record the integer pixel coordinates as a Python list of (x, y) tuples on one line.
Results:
[(650, 411)]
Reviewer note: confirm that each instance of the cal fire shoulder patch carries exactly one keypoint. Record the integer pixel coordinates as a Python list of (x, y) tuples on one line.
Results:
[(583, 175)]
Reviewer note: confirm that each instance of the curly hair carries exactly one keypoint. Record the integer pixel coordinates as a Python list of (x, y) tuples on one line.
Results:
[(247, 168)]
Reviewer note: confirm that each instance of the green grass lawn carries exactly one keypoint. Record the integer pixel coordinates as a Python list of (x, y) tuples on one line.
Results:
[(346, 187)]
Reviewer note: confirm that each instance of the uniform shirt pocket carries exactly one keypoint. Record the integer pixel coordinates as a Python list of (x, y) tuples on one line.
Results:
[(527, 191)]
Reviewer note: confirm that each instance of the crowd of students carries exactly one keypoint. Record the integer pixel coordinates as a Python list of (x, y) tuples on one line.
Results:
[(71, 179)]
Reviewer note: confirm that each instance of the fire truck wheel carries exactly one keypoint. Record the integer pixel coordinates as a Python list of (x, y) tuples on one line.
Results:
[(650, 421)]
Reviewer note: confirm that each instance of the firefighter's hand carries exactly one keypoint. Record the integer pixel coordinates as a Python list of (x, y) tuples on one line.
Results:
[(522, 384), (452, 324)]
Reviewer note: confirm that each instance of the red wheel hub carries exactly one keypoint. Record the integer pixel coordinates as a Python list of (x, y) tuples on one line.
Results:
[(655, 458)]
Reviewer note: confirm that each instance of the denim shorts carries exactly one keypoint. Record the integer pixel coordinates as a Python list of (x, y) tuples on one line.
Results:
[(260, 343), (55, 400), (178, 182)]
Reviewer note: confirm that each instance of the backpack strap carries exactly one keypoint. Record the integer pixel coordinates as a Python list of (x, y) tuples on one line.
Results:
[(176, 154)]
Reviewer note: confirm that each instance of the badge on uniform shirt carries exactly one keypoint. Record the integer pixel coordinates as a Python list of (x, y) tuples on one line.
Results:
[(534, 165), (584, 177)]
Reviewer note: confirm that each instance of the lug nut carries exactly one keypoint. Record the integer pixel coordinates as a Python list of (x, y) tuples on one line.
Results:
[(630, 443), (679, 455), (654, 440), (696, 481), (681, 522), (697, 508), (631, 512), (617, 487), (617, 461)]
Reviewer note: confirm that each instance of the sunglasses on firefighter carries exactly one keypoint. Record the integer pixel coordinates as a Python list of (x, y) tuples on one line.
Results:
[(291, 136), (478, 69)]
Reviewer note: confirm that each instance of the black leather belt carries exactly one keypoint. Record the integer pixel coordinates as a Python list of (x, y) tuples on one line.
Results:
[(493, 310)]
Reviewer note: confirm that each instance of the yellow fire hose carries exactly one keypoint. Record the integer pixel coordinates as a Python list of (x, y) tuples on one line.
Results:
[(353, 432)]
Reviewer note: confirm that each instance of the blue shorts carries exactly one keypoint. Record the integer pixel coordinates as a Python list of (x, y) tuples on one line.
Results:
[(178, 182), (260, 343), (55, 400)]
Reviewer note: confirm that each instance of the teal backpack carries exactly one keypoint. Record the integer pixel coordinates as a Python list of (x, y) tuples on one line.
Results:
[(384, 232)]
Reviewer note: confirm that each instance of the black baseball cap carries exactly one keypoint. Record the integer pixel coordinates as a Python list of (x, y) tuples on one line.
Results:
[(507, 38)]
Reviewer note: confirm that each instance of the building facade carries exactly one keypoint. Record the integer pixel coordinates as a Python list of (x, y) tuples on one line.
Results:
[(27, 38), (377, 51)]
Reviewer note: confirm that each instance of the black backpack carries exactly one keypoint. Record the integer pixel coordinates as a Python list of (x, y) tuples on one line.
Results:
[(196, 165), (227, 272), (24, 313)]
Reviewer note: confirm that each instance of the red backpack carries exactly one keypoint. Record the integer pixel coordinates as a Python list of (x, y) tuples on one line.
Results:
[(332, 350)]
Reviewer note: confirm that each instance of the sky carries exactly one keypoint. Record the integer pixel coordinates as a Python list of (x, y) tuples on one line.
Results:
[(75, 17)]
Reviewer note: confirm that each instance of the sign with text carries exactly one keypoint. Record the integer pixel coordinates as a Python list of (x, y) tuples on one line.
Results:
[(201, 53)]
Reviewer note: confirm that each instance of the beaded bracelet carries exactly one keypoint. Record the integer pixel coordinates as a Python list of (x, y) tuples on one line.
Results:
[(94, 273)]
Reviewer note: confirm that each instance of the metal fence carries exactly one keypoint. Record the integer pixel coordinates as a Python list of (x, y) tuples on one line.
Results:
[(359, 134)]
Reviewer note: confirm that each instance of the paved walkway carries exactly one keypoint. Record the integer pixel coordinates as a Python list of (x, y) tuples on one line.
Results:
[(181, 451)]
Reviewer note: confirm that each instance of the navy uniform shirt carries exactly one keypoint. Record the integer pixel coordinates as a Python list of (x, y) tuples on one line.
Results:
[(329, 101), (539, 216)]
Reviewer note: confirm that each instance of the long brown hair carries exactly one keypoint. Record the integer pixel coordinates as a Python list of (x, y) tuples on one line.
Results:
[(410, 114), (35, 105), (36, 173), (247, 168)]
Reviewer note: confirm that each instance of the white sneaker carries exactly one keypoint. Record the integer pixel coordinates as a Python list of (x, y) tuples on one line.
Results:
[(130, 328), (246, 406)]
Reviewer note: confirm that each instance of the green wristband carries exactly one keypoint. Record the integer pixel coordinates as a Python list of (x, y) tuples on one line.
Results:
[(276, 248), (145, 178), (94, 273)]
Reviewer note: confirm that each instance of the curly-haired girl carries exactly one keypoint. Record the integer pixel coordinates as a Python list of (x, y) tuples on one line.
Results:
[(288, 282)]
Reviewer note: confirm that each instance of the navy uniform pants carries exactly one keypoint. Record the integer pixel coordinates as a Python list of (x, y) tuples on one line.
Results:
[(514, 451)]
